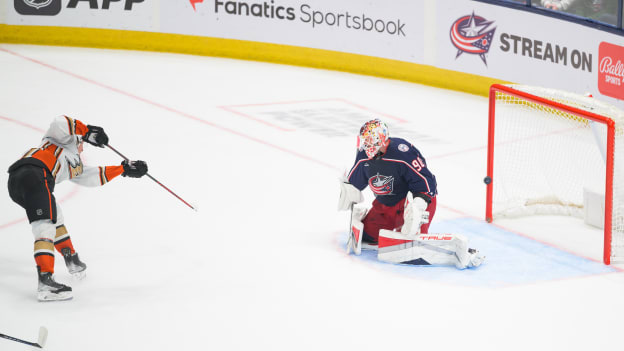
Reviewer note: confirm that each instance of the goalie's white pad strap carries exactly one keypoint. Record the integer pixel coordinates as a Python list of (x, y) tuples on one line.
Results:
[(423, 249)]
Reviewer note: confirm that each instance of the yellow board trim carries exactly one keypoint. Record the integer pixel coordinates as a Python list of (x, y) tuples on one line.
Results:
[(248, 50)]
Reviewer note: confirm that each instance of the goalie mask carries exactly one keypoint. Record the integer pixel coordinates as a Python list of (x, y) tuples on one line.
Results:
[(373, 136)]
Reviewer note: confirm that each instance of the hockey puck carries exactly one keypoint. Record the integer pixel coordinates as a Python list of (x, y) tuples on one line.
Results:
[(487, 180)]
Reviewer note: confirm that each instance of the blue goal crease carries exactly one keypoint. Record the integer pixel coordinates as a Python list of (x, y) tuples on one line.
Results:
[(511, 259)]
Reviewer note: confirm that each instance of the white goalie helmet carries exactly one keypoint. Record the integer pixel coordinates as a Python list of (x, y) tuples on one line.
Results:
[(373, 136)]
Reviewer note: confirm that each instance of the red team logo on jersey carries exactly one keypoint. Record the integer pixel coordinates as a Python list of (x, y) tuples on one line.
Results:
[(381, 185)]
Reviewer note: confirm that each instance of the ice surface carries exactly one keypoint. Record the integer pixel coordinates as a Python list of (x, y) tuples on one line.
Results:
[(259, 147)]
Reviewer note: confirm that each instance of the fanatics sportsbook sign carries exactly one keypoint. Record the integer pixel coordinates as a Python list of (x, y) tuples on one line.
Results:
[(466, 36), (391, 29)]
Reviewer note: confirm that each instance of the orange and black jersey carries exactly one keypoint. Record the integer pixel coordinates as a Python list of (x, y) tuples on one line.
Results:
[(59, 153)]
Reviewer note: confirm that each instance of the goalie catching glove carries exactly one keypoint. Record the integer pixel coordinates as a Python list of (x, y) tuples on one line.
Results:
[(95, 136), (348, 195), (414, 215), (134, 169)]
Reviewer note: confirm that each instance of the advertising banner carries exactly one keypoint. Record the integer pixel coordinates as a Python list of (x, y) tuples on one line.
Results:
[(391, 29), (458, 35), (611, 70), (142, 15), (528, 48)]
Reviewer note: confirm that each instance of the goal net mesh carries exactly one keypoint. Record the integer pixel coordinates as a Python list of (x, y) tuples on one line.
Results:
[(544, 157)]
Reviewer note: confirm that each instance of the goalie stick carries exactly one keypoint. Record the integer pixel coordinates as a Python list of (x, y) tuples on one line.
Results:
[(43, 336), (152, 178)]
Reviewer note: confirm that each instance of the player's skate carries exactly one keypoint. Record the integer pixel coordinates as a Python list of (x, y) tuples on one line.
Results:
[(74, 265), (50, 290)]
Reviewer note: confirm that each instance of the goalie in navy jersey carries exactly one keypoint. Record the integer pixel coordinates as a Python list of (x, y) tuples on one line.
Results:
[(397, 224), (396, 172)]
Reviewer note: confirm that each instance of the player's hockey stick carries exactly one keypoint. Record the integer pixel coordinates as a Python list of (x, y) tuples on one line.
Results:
[(152, 178), (43, 336)]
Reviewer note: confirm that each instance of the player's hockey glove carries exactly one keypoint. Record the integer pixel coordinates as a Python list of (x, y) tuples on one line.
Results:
[(95, 136), (134, 169), (414, 215)]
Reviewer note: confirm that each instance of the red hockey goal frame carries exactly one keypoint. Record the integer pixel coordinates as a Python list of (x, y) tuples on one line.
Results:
[(610, 123)]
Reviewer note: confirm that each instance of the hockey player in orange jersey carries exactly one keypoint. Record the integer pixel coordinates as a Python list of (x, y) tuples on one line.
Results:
[(31, 185)]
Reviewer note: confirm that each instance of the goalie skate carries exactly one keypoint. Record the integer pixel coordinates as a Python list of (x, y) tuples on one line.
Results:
[(50, 290), (475, 258)]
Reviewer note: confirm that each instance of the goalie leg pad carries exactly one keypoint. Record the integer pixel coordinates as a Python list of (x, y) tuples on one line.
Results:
[(432, 249), (359, 212), (356, 230)]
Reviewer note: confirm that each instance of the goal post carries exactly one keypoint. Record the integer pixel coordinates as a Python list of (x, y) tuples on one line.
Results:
[(544, 150)]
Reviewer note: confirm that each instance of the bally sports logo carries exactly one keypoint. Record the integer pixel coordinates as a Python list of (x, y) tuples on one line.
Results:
[(611, 70), (472, 34)]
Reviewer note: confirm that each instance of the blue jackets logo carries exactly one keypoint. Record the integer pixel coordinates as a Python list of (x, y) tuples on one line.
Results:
[(472, 34), (381, 184), (37, 7)]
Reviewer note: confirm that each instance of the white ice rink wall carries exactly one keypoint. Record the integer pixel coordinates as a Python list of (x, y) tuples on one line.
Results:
[(426, 41)]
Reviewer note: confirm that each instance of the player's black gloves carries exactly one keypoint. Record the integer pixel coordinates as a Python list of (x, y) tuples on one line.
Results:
[(96, 136), (134, 169)]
